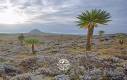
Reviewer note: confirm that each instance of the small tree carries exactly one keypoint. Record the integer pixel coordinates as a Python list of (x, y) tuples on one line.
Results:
[(101, 35), (121, 38), (21, 38), (32, 42)]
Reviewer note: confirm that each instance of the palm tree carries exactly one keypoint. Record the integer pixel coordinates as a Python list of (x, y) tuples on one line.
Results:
[(21, 38), (101, 34), (90, 20), (32, 42)]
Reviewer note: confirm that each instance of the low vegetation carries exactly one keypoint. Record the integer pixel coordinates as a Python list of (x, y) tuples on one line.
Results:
[(105, 61)]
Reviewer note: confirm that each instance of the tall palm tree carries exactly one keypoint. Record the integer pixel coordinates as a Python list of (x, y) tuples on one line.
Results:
[(90, 20), (32, 42)]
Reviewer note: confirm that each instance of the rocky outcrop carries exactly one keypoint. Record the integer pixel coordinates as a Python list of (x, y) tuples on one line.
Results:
[(62, 77)]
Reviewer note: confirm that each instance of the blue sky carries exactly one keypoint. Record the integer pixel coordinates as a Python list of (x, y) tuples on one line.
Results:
[(58, 16)]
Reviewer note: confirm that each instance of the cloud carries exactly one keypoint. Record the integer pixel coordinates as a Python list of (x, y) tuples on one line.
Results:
[(36, 9), (63, 12)]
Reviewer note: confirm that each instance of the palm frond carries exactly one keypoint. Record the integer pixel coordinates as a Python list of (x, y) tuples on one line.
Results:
[(32, 41), (94, 16)]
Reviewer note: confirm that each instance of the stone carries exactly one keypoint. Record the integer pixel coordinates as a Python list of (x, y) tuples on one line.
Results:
[(36, 77), (62, 77)]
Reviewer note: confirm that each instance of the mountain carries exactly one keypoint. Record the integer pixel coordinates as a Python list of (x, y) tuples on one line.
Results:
[(35, 31)]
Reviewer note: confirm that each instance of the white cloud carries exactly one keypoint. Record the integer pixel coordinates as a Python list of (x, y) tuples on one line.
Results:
[(60, 11), (33, 9)]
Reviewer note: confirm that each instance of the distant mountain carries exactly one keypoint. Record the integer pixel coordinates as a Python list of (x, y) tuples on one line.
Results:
[(35, 31)]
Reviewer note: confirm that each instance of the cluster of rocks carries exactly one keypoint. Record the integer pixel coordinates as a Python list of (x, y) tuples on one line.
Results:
[(83, 67), (86, 66)]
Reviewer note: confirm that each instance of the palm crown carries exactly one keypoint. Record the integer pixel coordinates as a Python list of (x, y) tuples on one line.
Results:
[(94, 16), (32, 41)]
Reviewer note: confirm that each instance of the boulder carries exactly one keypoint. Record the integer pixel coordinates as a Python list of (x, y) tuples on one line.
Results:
[(9, 70), (62, 77), (29, 64)]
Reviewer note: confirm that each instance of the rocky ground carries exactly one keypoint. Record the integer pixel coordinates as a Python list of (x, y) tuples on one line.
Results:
[(106, 61)]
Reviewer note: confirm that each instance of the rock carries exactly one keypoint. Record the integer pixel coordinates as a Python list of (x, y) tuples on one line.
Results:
[(116, 59), (25, 76), (46, 59), (28, 76), (29, 64), (125, 69), (9, 70), (122, 57), (116, 74), (94, 74), (62, 77), (47, 71), (76, 72), (36, 77)]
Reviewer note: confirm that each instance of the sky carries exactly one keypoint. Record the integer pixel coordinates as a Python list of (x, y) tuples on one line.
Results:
[(58, 16)]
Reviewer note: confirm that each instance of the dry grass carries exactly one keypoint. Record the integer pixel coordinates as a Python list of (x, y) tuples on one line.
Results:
[(21, 57), (76, 50), (1, 78), (48, 78)]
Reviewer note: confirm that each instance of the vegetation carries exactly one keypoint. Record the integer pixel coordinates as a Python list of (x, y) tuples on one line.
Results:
[(32, 42), (121, 38), (101, 35), (105, 63), (90, 20), (21, 38)]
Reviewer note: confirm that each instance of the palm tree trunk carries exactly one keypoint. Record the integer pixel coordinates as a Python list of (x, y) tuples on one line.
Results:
[(89, 38), (33, 51)]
